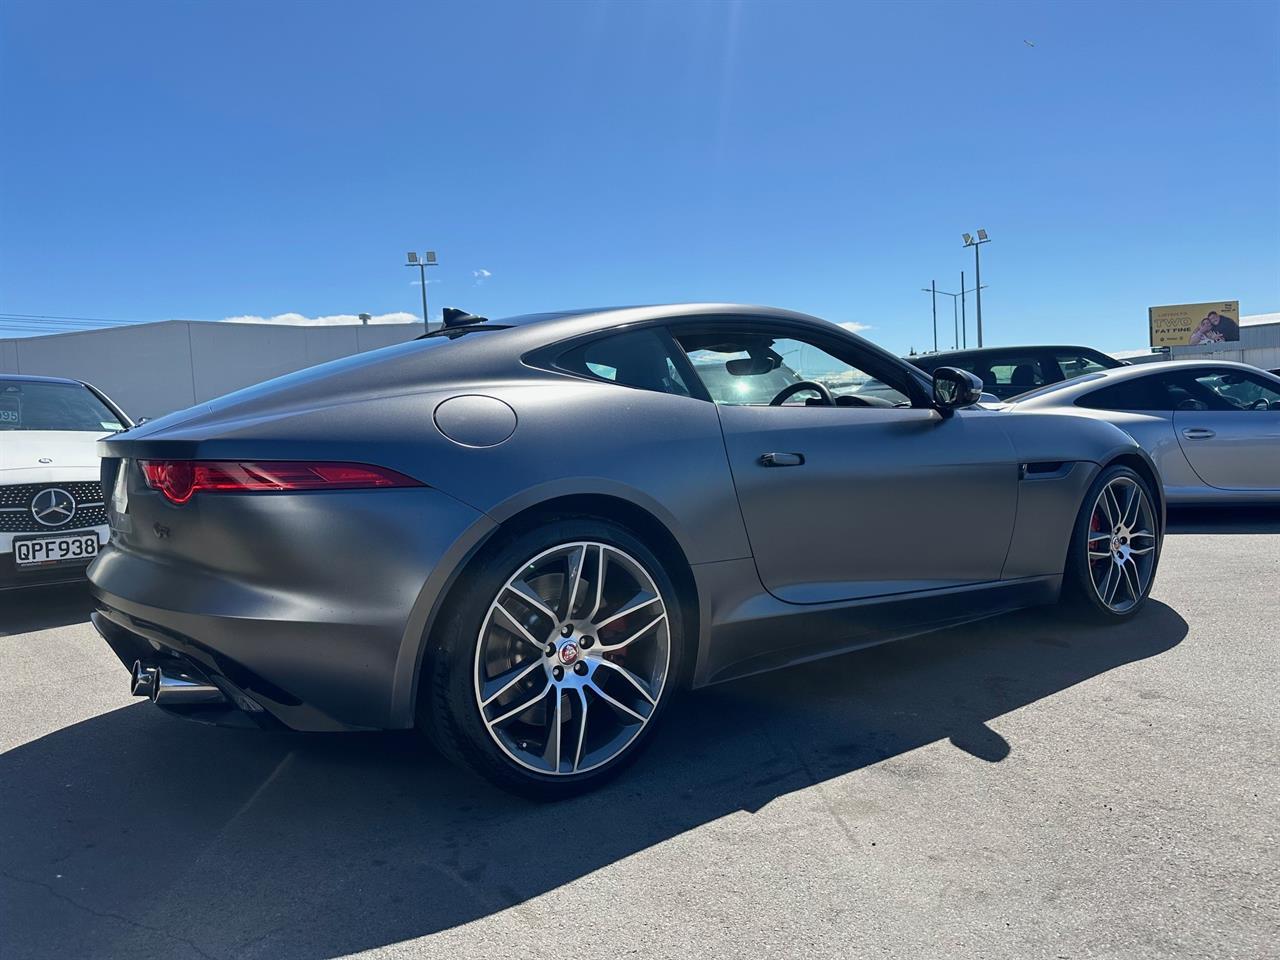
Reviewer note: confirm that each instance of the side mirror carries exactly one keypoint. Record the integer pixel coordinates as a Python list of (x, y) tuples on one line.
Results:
[(954, 388)]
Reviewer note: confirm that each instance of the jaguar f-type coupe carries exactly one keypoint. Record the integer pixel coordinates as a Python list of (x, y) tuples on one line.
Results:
[(524, 536)]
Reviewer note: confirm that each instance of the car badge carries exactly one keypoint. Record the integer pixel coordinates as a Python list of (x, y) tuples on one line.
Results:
[(45, 460), (52, 507)]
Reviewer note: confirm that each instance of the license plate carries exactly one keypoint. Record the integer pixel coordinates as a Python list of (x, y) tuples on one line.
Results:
[(76, 546)]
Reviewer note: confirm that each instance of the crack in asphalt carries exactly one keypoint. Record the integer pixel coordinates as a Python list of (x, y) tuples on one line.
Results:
[(107, 914)]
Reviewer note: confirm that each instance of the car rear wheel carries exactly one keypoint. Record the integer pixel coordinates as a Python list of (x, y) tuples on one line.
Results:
[(1115, 548), (559, 655)]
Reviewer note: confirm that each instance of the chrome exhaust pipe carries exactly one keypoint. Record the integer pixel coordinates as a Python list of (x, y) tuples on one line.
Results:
[(176, 687), (144, 679)]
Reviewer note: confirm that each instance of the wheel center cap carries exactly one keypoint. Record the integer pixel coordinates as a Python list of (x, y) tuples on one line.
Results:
[(569, 652)]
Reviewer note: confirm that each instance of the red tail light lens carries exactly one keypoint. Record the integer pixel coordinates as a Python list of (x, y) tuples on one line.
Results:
[(180, 480)]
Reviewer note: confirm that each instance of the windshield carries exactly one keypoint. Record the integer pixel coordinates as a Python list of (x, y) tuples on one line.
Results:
[(36, 405)]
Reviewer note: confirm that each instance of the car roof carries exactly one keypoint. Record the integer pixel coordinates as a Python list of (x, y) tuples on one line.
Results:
[(527, 332), (1066, 391), (32, 378), (605, 317), (988, 351)]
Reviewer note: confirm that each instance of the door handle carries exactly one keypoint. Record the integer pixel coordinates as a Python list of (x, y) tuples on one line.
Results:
[(1198, 433), (782, 459)]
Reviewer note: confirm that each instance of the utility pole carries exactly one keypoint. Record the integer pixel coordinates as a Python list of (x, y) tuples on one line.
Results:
[(933, 289), (977, 242), (964, 321), (428, 259)]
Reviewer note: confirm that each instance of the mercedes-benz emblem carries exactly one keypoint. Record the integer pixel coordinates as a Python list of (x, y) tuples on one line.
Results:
[(52, 507)]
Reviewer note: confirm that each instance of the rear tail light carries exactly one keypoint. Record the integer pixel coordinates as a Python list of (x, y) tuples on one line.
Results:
[(180, 480)]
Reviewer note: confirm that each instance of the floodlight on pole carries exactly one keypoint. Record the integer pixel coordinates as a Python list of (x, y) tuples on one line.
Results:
[(977, 271), (428, 259)]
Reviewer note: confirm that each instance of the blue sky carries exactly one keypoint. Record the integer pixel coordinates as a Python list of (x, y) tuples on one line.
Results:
[(209, 160)]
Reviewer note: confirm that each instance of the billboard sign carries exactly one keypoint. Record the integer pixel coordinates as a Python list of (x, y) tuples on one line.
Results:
[(1191, 324)]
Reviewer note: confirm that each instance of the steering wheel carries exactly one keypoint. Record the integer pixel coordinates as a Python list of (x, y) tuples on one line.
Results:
[(1260, 404), (799, 387)]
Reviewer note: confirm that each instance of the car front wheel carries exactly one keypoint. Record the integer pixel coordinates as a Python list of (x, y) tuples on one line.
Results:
[(1115, 548)]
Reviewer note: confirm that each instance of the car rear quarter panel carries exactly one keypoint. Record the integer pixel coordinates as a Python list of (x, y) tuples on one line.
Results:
[(661, 453)]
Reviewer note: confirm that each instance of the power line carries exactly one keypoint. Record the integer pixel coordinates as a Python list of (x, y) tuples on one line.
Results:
[(54, 319)]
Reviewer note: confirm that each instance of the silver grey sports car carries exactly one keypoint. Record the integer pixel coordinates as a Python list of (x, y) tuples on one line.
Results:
[(523, 536), (1212, 427)]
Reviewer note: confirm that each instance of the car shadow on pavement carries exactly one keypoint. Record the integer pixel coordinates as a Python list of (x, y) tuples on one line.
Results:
[(135, 833), (43, 608), (1224, 519)]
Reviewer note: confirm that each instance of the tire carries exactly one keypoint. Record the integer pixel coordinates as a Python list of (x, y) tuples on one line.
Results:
[(504, 637), (1115, 548)]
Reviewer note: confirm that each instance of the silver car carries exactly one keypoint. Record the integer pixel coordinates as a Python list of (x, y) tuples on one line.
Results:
[(522, 536), (1212, 427)]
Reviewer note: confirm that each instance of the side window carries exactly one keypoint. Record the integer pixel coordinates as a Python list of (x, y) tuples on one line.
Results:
[(752, 367), (1077, 364), (1239, 391), (1016, 374), (1141, 394), (639, 358)]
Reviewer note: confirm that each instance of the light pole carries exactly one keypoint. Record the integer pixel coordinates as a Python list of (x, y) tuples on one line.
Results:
[(428, 260), (932, 289), (977, 242), (957, 319)]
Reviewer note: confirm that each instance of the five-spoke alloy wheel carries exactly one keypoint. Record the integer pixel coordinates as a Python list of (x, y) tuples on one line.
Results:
[(1116, 547), (1122, 543)]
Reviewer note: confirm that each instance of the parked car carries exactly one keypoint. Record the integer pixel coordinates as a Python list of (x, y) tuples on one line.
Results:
[(1212, 427), (1008, 371), (522, 536), (52, 513)]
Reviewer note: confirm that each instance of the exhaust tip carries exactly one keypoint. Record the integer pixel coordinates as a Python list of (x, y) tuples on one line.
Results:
[(178, 687), (145, 678)]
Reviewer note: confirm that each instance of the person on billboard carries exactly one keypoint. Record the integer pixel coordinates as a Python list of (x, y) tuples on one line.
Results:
[(1215, 328)]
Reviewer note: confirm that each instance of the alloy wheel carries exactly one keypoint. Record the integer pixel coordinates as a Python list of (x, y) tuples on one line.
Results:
[(1121, 544), (572, 658)]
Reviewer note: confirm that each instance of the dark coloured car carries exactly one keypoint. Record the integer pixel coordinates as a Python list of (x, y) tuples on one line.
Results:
[(1009, 371), (523, 536)]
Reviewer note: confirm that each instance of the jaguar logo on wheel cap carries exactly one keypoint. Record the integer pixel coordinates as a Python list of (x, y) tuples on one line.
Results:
[(569, 652), (53, 507)]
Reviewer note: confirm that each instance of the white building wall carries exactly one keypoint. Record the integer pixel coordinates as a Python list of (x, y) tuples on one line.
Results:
[(155, 368)]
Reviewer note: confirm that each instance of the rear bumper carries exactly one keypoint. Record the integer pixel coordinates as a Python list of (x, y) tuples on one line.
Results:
[(327, 636)]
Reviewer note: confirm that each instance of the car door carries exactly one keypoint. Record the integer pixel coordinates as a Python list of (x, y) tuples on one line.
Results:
[(1230, 428), (862, 499)]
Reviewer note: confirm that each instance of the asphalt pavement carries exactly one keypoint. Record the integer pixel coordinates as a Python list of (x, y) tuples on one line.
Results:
[(1022, 788)]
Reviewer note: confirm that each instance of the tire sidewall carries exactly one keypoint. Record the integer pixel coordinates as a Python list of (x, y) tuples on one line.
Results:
[(454, 717)]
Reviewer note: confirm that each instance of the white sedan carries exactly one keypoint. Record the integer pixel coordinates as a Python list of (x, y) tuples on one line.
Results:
[(52, 509)]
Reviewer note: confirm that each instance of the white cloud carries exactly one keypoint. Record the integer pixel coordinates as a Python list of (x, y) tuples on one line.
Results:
[(418, 283), (481, 275), (854, 327), (334, 320)]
